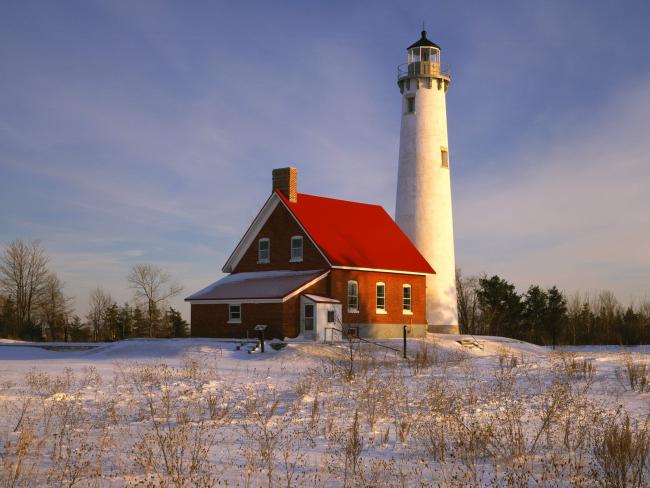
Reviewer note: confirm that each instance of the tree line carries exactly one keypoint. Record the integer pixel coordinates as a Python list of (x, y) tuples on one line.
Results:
[(492, 306), (34, 305)]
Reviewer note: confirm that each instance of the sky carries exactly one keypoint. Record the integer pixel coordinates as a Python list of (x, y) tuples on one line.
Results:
[(146, 132)]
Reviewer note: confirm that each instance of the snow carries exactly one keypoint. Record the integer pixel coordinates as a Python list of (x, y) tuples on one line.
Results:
[(320, 299), (300, 393), (256, 284)]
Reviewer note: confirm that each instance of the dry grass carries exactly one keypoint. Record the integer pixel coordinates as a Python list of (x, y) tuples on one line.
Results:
[(359, 418)]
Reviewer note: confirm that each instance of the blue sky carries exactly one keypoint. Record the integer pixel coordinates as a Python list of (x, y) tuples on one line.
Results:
[(147, 131)]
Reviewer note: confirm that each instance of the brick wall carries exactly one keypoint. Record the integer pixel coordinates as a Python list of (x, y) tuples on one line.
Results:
[(283, 319), (286, 180), (279, 228), (367, 296)]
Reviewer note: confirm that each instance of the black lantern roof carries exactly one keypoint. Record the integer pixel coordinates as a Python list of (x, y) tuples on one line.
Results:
[(424, 42)]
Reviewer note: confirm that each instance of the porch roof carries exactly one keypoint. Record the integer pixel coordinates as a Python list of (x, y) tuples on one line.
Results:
[(257, 285), (319, 299)]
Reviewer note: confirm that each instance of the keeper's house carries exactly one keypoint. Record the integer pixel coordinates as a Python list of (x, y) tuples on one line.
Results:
[(313, 266)]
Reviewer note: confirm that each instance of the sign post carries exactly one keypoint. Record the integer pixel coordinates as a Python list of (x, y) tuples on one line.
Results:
[(260, 328)]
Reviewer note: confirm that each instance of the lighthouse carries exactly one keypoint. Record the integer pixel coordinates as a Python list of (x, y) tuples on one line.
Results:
[(423, 200)]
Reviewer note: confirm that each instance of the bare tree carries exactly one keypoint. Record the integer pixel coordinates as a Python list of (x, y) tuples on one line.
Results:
[(55, 308), (468, 313), (99, 302), (23, 273), (153, 286)]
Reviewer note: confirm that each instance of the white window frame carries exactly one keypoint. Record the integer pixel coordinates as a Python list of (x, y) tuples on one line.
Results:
[(380, 308), (356, 297), (231, 319), (260, 259), (302, 250), (407, 310)]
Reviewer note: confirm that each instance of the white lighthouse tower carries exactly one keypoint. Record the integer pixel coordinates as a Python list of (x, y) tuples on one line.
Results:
[(423, 203)]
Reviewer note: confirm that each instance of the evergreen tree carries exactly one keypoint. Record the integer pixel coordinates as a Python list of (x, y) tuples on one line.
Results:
[(179, 326), (140, 326), (500, 306), (535, 304), (125, 321), (556, 313)]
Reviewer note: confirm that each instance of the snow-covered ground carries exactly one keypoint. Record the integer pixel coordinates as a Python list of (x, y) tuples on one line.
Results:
[(196, 412)]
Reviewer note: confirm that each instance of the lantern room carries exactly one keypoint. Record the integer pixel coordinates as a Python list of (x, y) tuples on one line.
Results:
[(423, 61), (424, 51)]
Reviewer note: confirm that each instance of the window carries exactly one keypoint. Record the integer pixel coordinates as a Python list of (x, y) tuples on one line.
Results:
[(264, 250), (330, 317), (444, 156), (410, 104), (406, 299), (309, 317), (353, 296), (234, 313), (296, 249), (381, 298)]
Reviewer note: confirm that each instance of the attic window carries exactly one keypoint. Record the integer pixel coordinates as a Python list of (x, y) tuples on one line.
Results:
[(296, 249), (264, 250), (410, 105), (444, 156)]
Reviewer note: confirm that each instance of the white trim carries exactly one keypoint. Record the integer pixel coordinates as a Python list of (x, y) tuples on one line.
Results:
[(239, 300), (407, 311), (250, 234), (305, 286), (295, 292), (232, 320), (379, 310), (347, 297), (305, 231), (379, 270), (268, 249), (302, 249)]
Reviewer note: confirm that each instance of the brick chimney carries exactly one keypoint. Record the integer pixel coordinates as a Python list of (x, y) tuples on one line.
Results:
[(286, 180)]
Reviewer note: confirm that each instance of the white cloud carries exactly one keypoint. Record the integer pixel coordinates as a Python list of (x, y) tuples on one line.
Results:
[(578, 212)]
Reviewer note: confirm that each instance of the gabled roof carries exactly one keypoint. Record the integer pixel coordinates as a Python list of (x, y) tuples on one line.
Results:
[(356, 235), (257, 285)]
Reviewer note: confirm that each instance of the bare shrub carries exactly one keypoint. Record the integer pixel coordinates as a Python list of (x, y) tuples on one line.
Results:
[(19, 461), (635, 374), (622, 453), (176, 444), (263, 424), (347, 446), (574, 368), (425, 357)]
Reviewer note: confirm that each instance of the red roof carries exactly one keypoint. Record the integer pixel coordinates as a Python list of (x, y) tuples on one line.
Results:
[(355, 234)]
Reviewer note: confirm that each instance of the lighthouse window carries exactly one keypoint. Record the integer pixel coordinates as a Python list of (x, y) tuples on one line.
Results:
[(444, 156), (411, 104)]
